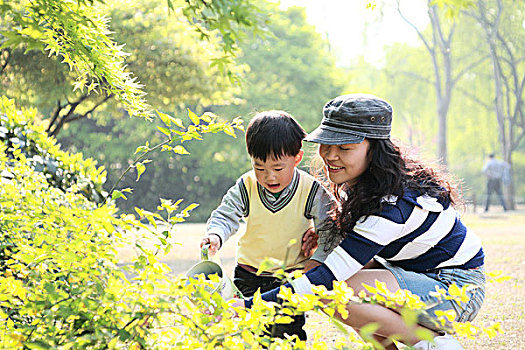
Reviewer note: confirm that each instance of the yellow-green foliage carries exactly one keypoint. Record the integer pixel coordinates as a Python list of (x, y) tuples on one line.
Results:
[(61, 169), (61, 286)]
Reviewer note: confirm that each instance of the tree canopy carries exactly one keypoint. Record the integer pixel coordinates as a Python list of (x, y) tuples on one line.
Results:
[(77, 32)]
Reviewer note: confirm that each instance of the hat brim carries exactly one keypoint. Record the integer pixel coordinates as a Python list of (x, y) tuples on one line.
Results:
[(328, 137)]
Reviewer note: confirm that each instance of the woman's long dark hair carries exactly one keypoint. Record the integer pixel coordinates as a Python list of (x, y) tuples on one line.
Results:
[(390, 172)]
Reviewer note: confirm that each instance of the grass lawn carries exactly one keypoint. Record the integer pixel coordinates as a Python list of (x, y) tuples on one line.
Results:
[(503, 236)]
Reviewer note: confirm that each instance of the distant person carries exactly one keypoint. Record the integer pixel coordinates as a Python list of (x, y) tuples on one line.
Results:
[(495, 170), (278, 202), (399, 223)]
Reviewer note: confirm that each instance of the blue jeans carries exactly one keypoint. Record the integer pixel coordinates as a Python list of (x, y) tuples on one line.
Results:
[(422, 283)]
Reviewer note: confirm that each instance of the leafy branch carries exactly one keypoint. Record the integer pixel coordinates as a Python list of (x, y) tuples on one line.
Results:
[(176, 132)]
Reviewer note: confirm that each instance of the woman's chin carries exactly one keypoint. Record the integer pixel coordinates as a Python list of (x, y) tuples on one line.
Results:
[(338, 180)]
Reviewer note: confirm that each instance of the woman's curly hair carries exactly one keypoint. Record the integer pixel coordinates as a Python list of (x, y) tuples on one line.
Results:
[(390, 172)]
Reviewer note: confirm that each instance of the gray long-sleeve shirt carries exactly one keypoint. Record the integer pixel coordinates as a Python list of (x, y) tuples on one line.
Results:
[(225, 220)]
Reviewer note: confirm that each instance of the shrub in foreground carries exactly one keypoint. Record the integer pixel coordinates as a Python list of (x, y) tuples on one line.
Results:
[(61, 286)]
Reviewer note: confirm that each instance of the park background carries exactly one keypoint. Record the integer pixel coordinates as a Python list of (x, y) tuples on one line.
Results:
[(456, 84), (442, 89)]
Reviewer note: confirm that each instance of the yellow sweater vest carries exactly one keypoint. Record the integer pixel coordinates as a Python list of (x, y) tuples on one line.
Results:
[(270, 227)]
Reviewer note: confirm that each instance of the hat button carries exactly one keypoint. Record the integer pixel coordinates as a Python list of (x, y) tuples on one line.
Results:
[(383, 119), (372, 119)]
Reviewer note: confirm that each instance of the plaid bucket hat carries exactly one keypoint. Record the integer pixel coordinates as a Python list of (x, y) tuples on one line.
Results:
[(351, 119)]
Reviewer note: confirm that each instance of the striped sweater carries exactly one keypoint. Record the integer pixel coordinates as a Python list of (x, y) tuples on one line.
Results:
[(416, 232)]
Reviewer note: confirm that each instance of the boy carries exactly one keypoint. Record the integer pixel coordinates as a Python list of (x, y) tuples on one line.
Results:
[(278, 203)]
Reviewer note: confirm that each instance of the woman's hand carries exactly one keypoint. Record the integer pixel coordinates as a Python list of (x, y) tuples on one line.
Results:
[(310, 264), (309, 244), (237, 302)]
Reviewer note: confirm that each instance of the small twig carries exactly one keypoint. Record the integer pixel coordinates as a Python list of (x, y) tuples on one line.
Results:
[(132, 165)]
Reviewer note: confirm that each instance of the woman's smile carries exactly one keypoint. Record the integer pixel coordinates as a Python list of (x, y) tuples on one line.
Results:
[(333, 168)]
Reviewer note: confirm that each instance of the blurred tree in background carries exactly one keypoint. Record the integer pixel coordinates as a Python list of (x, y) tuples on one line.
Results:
[(504, 36), (291, 67), (474, 128), (184, 55)]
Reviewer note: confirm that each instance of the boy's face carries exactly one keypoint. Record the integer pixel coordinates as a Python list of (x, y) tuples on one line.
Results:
[(276, 174)]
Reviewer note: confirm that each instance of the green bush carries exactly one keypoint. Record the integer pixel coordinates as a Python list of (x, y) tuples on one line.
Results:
[(61, 169), (61, 286)]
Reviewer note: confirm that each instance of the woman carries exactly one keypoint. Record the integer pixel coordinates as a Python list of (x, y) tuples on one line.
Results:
[(398, 221)]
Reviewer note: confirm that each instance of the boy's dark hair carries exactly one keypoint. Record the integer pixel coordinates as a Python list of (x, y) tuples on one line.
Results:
[(274, 134)]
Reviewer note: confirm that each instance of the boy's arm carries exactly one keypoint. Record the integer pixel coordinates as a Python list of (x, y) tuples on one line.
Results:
[(224, 221), (324, 225)]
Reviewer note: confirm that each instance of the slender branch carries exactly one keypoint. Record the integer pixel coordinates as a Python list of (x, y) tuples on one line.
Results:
[(419, 34), (417, 76), (474, 98), (468, 68), (139, 158), (55, 116), (40, 319), (517, 108), (437, 26), (517, 142), (72, 107), (81, 116)]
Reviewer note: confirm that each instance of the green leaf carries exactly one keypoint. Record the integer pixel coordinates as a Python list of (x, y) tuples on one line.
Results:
[(368, 330), (140, 212), (113, 343), (208, 117), (179, 149), (165, 118), (38, 345), (165, 131), (340, 325), (283, 319), (141, 168), (265, 265), (194, 118), (190, 208), (141, 149), (117, 194), (424, 334), (177, 122), (228, 130)]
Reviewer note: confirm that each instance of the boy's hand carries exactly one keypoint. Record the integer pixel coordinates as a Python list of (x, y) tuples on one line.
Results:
[(309, 242), (215, 243)]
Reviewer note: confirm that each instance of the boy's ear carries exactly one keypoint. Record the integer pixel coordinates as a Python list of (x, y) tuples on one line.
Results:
[(299, 157)]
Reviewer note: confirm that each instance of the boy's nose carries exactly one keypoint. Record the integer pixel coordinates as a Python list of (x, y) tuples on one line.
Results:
[(270, 175)]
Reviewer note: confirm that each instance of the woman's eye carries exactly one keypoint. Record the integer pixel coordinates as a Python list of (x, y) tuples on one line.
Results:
[(259, 169), (278, 169)]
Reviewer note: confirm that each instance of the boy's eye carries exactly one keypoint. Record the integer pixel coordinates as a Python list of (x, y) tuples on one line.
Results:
[(344, 148)]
